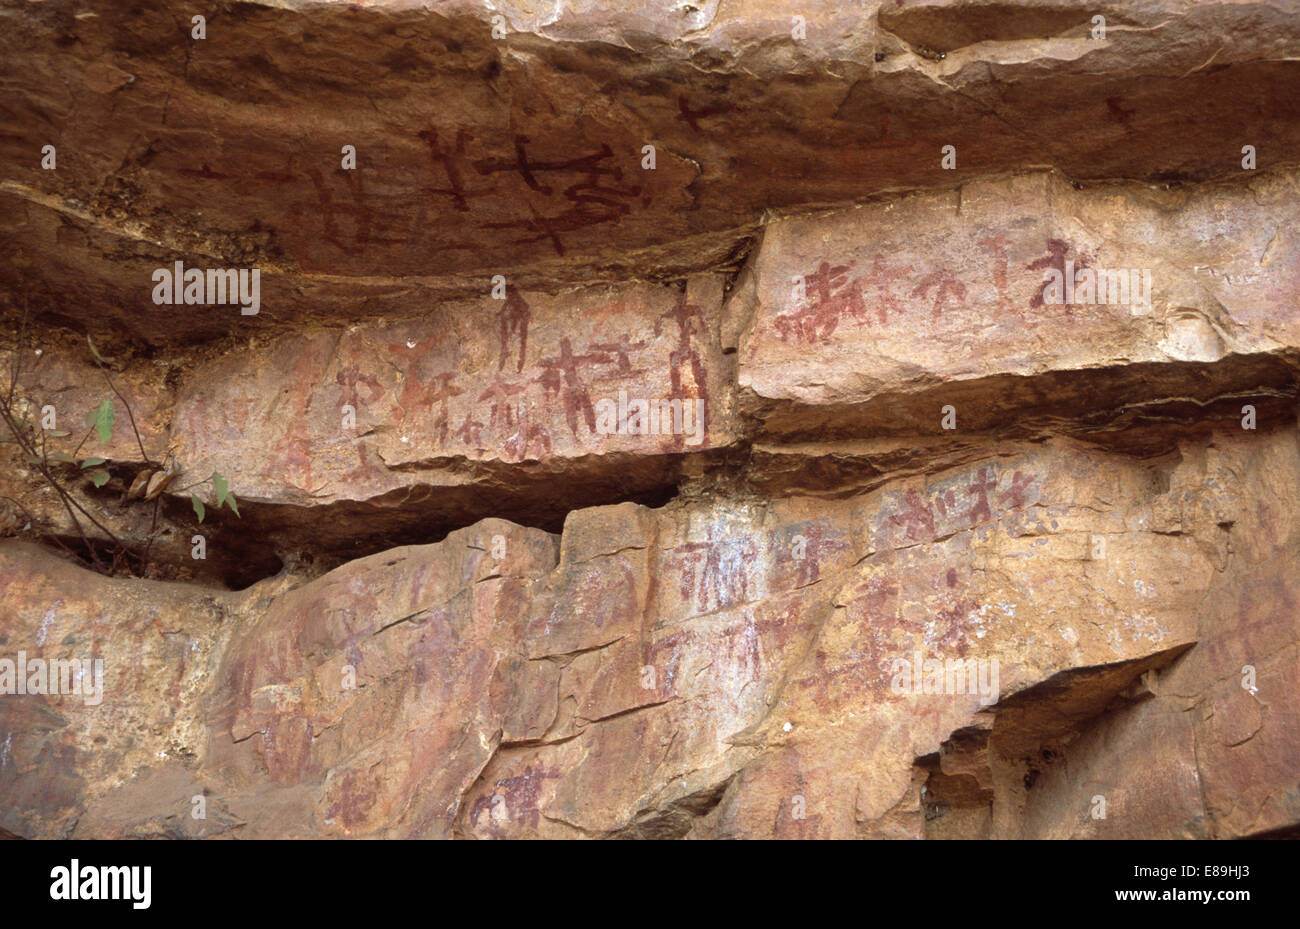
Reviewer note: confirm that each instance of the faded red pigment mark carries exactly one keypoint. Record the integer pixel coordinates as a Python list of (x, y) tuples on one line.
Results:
[(804, 562), (441, 390), (1015, 494), (622, 350), (947, 288), (435, 655), (529, 439), (594, 201), (286, 748), (513, 319), (603, 595), (997, 244), (786, 825), (452, 161), (349, 379), (979, 488), (685, 358), (714, 572), (561, 377), (882, 277), (501, 393), (331, 211), (692, 117), (206, 173), (667, 668), (417, 396), (956, 616), (743, 643), (470, 431), (291, 458), (832, 297), (518, 796), (1118, 111), (353, 803), (1057, 252), (917, 520)]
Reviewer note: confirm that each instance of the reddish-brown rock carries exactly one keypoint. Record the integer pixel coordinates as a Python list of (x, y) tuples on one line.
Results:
[(510, 140), (928, 554)]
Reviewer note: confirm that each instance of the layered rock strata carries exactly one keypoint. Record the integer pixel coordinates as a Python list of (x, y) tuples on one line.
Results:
[(654, 435)]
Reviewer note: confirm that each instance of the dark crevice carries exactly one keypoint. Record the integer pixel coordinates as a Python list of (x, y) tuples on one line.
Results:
[(676, 820), (946, 28), (317, 539)]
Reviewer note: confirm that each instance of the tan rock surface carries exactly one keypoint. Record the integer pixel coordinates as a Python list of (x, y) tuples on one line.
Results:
[(694, 670), (857, 321), (933, 555)]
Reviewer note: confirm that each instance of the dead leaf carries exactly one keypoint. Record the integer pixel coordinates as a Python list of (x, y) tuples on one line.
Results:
[(158, 483), (140, 484)]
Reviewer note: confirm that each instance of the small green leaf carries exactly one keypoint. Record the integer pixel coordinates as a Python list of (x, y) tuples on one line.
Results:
[(58, 434), (99, 478), (104, 419), (92, 462), (230, 501), (198, 506), (221, 486)]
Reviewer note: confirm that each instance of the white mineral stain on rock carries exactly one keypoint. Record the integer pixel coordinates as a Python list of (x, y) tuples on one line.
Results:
[(1190, 337), (45, 627)]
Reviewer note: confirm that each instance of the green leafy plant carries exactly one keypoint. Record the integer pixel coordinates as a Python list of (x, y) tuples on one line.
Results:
[(59, 470), (224, 497)]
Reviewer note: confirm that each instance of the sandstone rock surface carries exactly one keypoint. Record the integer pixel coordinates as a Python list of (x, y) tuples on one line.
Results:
[(692, 670), (520, 153), (754, 484)]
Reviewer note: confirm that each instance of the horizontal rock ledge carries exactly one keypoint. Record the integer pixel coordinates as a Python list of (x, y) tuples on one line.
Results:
[(522, 154)]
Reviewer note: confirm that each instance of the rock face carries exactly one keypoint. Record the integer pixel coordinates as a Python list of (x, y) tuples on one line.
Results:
[(658, 432)]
